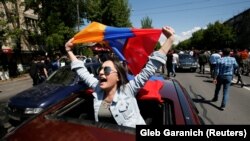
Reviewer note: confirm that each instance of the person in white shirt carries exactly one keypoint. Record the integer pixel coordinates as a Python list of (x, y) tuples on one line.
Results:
[(175, 61), (213, 61)]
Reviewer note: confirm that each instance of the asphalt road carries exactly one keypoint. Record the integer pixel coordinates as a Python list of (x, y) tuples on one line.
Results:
[(11, 87), (201, 89)]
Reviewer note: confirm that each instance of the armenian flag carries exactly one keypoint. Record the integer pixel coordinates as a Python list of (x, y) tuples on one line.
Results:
[(129, 44)]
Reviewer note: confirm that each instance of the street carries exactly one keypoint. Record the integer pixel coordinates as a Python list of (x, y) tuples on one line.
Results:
[(10, 87), (201, 89)]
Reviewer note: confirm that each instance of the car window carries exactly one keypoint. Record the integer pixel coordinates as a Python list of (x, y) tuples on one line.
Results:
[(155, 113), (66, 76), (62, 76), (93, 67), (184, 56)]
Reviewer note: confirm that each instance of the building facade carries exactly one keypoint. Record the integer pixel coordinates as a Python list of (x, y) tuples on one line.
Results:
[(15, 18), (25, 21), (241, 23)]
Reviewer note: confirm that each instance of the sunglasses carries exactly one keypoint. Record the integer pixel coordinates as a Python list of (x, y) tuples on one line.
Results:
[(107, 70)]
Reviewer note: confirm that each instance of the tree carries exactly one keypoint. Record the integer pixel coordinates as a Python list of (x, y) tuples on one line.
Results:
[(216, 36), (146, 22), (197, 40), (219, 36), (57, 21), (108, 12), (184, 45), (3, 29)]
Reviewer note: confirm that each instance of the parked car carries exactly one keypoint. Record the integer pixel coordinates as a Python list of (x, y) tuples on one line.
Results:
[(73, 117), (59, 85), (187, 62)]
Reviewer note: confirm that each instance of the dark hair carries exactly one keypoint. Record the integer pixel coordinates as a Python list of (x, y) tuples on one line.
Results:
[(226, 51), (121, 70)]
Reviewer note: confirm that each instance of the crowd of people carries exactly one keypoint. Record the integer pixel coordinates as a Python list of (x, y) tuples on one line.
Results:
[(42, 66), (210, 58)]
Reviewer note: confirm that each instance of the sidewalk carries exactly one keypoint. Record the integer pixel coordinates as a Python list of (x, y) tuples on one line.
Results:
[(19, 78)]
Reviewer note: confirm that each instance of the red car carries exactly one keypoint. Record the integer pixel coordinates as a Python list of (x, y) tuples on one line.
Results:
[(73, 118)]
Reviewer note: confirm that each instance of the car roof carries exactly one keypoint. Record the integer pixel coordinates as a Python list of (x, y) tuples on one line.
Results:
[(60, 131)]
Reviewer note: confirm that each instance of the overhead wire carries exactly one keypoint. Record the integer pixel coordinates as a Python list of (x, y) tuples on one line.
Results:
[(188, 9)]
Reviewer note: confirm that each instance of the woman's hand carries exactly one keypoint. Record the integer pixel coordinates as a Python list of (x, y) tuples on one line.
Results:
[(168, 31), (69, 44)]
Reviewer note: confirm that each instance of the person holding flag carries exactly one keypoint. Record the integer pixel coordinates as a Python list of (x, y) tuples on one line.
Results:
[(115, 95)]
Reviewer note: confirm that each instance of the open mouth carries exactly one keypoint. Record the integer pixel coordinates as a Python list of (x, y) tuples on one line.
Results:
[(101, 79)]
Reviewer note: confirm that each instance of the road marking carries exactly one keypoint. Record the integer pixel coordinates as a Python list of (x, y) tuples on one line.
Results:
[(234, 80)]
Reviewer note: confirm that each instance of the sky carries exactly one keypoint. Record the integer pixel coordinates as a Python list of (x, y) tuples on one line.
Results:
[(185, 16)]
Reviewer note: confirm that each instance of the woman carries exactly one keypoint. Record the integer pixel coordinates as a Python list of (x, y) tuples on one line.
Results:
[(114, 95)]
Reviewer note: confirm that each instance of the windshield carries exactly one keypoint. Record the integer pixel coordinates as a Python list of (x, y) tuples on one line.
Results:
[(185, 57), (62, 76)]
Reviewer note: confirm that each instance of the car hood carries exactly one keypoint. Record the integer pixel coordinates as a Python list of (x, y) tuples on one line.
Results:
[(186, 61), (41, 95)]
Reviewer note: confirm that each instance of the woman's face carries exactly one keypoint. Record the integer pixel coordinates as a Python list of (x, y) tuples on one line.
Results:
[(108, 76)]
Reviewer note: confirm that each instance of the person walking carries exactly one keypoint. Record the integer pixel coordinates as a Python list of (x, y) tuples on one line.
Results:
[(169, 64), (223, 75), (115, 96), (42, 70), (175, 61), (213, 60), (238, 70), (202, 61), (33, 71)]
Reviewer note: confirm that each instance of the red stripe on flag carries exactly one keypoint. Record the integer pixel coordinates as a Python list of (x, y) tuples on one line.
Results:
[(138, 48)]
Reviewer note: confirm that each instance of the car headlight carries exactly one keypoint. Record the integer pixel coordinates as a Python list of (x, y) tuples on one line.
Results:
[(33, 110), (195, 64)]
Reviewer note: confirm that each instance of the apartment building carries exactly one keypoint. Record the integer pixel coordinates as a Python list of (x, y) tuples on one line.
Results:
[(25, 20)]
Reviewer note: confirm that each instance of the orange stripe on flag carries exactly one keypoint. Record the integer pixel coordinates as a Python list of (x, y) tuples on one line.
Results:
[(94, 32)]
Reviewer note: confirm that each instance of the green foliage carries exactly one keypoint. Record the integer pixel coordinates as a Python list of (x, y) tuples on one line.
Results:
[(3, 29), (57, 21), (87, 52), (13, 19), (184, 45), (216, 36), (197, 39), (146, 22), (108, 12), (158, 46)]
